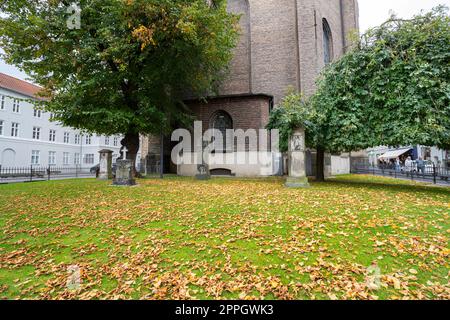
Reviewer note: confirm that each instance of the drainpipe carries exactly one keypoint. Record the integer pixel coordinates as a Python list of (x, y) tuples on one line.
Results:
[(344, 42)]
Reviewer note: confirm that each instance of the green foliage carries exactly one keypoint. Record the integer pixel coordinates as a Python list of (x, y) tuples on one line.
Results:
[(129, 66), (290, 114), (392, 89)]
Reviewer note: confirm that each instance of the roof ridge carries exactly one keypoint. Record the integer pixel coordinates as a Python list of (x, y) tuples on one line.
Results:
[(26, 88)]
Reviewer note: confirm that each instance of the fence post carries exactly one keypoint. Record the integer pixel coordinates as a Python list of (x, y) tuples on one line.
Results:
[(31, 173), (434, 173), (48, 172)]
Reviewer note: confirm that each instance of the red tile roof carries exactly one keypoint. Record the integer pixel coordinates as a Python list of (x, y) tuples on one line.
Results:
[(20, 86)]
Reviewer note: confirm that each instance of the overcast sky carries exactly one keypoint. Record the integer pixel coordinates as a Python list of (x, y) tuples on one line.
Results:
[(371, 14)]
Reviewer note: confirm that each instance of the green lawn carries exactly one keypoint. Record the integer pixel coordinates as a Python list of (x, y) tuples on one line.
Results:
[(224, 239)]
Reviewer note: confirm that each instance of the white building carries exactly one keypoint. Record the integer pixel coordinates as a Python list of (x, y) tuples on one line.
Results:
[(29, 137)]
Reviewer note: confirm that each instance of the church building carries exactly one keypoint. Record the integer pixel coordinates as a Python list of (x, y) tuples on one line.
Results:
[(284, 44)]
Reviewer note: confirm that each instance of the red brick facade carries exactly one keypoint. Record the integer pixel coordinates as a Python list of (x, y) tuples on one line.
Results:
[(247, 112)]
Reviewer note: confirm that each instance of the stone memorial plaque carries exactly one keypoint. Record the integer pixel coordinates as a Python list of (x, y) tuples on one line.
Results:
[(105, 168), (124, 173), (297, 161)]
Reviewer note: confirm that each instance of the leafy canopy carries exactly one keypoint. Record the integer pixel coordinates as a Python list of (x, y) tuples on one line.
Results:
[(291, 113), (392, 88), (130, 64)]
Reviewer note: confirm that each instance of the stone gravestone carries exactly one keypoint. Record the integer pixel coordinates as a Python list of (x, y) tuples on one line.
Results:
[(203, 168), (297, 169), (124, 171), (105, 169)]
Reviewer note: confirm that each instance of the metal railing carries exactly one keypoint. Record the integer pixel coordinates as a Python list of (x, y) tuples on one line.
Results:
[(426, 173), (39, 173)]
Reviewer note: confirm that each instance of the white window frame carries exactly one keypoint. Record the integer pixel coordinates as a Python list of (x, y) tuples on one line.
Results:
[(15, 129), (89, 158), (37, 113), (77, 139), (2, 125), (52, 158), (77, 159), (52, 135), (66, 158), (66, 137), (35, 157), (116, 141), (88, 140), (107, 141), (2, 102), (36, 133), (16, 106)]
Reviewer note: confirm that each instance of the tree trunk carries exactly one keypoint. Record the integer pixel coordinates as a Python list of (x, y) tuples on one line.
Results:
[(320, 164), (131, 142)]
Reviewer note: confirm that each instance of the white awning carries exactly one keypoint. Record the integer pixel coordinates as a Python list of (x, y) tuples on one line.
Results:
[(394, 154)]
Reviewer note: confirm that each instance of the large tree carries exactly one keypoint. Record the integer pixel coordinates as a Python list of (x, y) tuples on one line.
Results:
[(392, 89), (128, 66)]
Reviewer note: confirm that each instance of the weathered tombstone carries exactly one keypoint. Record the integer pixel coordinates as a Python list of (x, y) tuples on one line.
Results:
[(124, 171), (297, 170), (203, 172), (203, 168), (105, 168)]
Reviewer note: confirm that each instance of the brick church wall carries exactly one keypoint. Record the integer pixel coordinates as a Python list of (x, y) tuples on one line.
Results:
[(250, 112)]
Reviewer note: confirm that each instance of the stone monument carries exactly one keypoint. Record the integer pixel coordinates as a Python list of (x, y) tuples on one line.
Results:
[(124, 171), (203, 168), (105, 167), (297, 170)]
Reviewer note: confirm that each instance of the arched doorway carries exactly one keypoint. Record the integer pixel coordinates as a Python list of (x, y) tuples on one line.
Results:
[(8, 158)]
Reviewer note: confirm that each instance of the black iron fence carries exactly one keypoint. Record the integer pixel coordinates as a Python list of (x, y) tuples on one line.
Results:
[(38, 173), (425, 173)]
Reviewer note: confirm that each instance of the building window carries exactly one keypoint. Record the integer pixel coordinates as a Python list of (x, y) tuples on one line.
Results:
[(426, 153), (107, 141), (327, 42), (1, 127), (35, 157), (115, 141), (66, 137), (222, 121), (65, 158), (51, 116), (36, 133), (2, 103), (14, 129), (89, 139), (77, 139), (16, 106), (89, 158), (51, 158), (37, 113), (52, 136), (76, 158)]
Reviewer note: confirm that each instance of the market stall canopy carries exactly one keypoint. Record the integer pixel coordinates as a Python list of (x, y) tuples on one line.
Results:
[(394, 154)]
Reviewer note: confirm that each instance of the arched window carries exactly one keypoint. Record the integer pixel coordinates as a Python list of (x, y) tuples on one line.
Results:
[(327, 42), (222, 121)]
